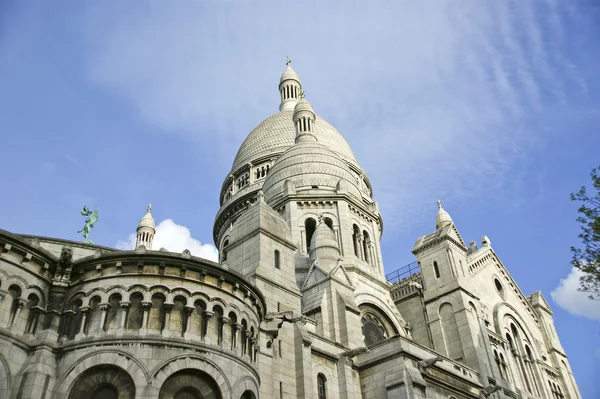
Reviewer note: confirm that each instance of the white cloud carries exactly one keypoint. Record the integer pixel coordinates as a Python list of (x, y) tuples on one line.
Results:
[(175, 238), (575, 302), (433, 97)]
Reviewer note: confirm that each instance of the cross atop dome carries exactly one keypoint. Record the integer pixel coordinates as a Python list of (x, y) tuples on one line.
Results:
[(288, 62)]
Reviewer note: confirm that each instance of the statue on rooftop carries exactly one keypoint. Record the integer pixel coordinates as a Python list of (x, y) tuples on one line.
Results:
[(89, 223)]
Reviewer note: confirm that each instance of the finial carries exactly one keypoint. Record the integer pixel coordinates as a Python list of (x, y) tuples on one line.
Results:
[(149, 208), (320, 218), (439, 203), (288, 62), (301, 93)]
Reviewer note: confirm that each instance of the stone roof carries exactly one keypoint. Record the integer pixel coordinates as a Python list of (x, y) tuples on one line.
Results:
[(277, 133)]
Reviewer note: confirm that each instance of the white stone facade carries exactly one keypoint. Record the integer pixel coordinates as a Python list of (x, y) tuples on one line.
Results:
[(297, 307)]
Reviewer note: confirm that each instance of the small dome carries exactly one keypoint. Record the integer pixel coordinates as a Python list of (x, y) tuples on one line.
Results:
[(147, 220), (312, 168), (323, 245), (303, 106), (442, 219), (288, 74)]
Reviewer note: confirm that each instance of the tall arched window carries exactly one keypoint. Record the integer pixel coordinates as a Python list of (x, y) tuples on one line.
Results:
[(276, 259), (322, 386), (309, 226), (224, 251), (436, 269), (355, 235), (367, 246)]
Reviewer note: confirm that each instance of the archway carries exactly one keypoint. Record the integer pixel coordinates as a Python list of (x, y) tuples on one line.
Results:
[(190, 384), (103, 382)]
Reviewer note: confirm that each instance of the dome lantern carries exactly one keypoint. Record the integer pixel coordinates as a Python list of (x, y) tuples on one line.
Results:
[(289, 87), (442, 219), (146, 230), (304, 120)]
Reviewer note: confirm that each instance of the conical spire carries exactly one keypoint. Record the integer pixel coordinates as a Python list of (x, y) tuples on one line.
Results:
[(289, 87), (146, 230), (442, 219)]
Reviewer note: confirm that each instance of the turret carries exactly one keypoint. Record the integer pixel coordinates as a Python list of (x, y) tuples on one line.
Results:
[(304, 120), (289, 87), (146, 230), (324, 246)]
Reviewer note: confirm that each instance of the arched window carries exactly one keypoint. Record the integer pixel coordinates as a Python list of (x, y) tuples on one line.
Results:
[(15, 293), (136, 312), (224, 250), (218, 316), (234, 327), (322, 386), (276, 259), (114, 312), (367, 246), (248, 395), (309, 225), (436, 269), (329, 223), (355, 235)]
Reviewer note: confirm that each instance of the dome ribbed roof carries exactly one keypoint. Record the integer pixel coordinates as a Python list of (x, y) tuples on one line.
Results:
[(289, 73), (442, 218), (277, 133), (147, 220), (312, 168)]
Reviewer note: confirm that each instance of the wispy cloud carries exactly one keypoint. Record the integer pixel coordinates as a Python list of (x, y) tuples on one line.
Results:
[(175, 238), (573, 301), (431, 96)]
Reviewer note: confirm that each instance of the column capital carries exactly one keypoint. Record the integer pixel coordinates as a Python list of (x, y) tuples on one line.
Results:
[(125, 304), (168, 307), (208, 314), (189, 309), (146, 305), (104, 306), (225, 320)]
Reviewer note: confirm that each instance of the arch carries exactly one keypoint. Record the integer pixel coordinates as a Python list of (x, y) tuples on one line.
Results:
[(103, 381), (450, 333), (436, 269), (135, 315), (188, 361), (376, 325), (189, 384), (137, 370), (34, 289), (244, 385), (4, 378), (364, 298)]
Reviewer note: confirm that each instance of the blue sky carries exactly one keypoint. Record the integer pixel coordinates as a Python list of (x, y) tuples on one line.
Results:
[(493, 107)]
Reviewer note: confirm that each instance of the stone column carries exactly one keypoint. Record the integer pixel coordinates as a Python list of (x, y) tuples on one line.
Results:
[(246, 338), (206, 315), (124, 313), (165, 328), (346, 384), (235, 340), (361, 252), (84, 314), (226, 338), (146, 305), (188, 310), (103, 309)]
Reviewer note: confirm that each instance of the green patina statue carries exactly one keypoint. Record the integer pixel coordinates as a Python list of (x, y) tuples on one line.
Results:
[(89, 224)]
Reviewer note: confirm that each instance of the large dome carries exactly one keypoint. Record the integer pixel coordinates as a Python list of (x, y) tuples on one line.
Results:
[(312, 168), (277, 133)]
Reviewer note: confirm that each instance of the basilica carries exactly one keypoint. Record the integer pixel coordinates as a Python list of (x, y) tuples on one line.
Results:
[(298, 305)]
